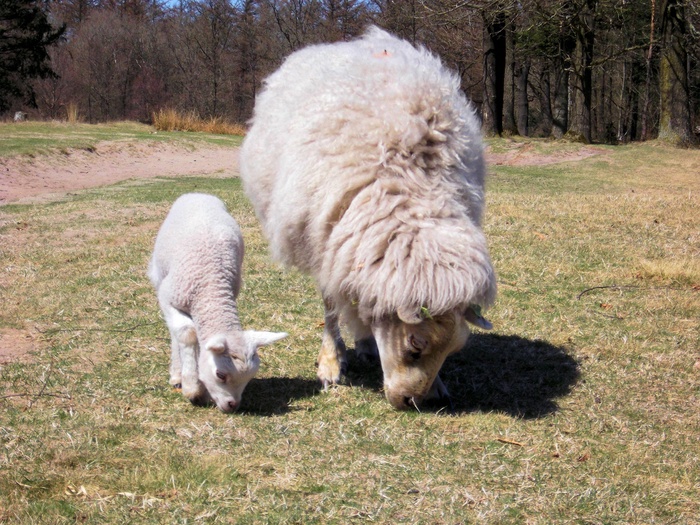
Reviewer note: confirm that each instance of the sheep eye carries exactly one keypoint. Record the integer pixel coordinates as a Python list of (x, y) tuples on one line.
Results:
[(221, 375), (413, 354), (416, 348), (417, 343)]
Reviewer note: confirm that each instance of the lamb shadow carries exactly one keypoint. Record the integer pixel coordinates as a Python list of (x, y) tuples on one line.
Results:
[(496, 373), (270, 396)]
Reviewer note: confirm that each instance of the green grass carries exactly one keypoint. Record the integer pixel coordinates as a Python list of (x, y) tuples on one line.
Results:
[(36, 138), (580, 407)]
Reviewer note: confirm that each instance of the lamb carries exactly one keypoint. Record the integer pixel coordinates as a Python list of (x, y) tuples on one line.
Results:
[(364, 163), (196, 271)]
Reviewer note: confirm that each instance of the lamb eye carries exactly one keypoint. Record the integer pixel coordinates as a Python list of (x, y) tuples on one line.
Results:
[(221, 375)]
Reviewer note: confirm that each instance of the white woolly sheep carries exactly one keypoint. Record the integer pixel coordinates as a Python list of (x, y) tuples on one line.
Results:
[(364, 163), (196, 271)]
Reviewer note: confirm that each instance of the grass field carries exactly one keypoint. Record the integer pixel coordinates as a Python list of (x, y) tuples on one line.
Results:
[(37, 138), (582, 406)]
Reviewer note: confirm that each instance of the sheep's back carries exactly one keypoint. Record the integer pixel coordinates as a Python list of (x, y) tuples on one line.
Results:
[(336, 119)]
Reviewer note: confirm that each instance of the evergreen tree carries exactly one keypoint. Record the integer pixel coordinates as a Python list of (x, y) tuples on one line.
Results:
[(25, 35)]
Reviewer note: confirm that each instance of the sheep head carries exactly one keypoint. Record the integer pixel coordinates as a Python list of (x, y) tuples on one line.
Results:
[(413, 346), (228, 362)]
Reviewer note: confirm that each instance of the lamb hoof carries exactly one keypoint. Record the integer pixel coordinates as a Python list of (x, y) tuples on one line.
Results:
[(199, 401), (177, 386)]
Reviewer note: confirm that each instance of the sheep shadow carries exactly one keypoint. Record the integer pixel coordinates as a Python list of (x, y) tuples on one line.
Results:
[(496, 373), (270, 396)]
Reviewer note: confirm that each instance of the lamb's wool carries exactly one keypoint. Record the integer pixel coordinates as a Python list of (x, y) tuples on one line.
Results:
[(200, 249), (364, 163)]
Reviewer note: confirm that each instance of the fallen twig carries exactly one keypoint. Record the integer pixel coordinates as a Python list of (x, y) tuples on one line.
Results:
[(510, 442), (36, 396), (625, 287)]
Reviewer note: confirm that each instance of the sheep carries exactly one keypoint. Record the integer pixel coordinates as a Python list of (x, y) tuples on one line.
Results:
[(364, 163), (196, 272)]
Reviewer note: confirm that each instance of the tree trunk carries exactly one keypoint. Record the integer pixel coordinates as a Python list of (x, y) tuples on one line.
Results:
[(523, 106), (674, 119), (581, 125), (561, 71), (647, 86), (560, 105), (509, 126), (494, 75)]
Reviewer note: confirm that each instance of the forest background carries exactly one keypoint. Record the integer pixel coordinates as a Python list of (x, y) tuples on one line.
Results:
[(593, 70)]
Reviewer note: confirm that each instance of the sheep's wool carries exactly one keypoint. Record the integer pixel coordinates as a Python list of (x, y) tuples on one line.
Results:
[(364, 163)]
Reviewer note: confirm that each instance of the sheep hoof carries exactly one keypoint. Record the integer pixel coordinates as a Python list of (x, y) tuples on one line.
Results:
[(330, 370), (368, 359), (438, 391), (177, 387), (366, 351), (330, 374), (327, 381)]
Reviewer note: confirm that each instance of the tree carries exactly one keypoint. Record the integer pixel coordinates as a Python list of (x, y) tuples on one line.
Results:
[(580, 126), (25, 36), (494, 71), (674, 121)]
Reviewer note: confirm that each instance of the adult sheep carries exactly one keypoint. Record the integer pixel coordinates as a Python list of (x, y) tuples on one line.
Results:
[(364, 164), (196, 271)]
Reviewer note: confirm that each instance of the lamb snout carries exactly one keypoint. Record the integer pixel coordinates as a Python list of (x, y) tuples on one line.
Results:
[(232, 406)]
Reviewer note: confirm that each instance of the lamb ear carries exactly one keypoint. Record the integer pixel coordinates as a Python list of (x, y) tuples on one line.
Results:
[(256, 339), (409, 315), (473, 315), (216, 344)]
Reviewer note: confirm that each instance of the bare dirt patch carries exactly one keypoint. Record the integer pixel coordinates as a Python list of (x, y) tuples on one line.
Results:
[(525, 154), (15, 346), (28, 179)]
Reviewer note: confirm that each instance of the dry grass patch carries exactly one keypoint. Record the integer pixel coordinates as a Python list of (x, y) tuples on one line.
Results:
[(174, 120)]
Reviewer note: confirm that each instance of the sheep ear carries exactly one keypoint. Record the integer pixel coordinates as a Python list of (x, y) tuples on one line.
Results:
[(473, 315), (409, 315), (256, 339), (216, 344)]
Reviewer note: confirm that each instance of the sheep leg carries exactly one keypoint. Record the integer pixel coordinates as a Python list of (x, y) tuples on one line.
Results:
[(365, 344), (332, 359), (438, 392), (184, 353)]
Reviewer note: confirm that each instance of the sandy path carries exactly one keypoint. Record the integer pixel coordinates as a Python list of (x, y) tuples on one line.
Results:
[(27, 179)]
